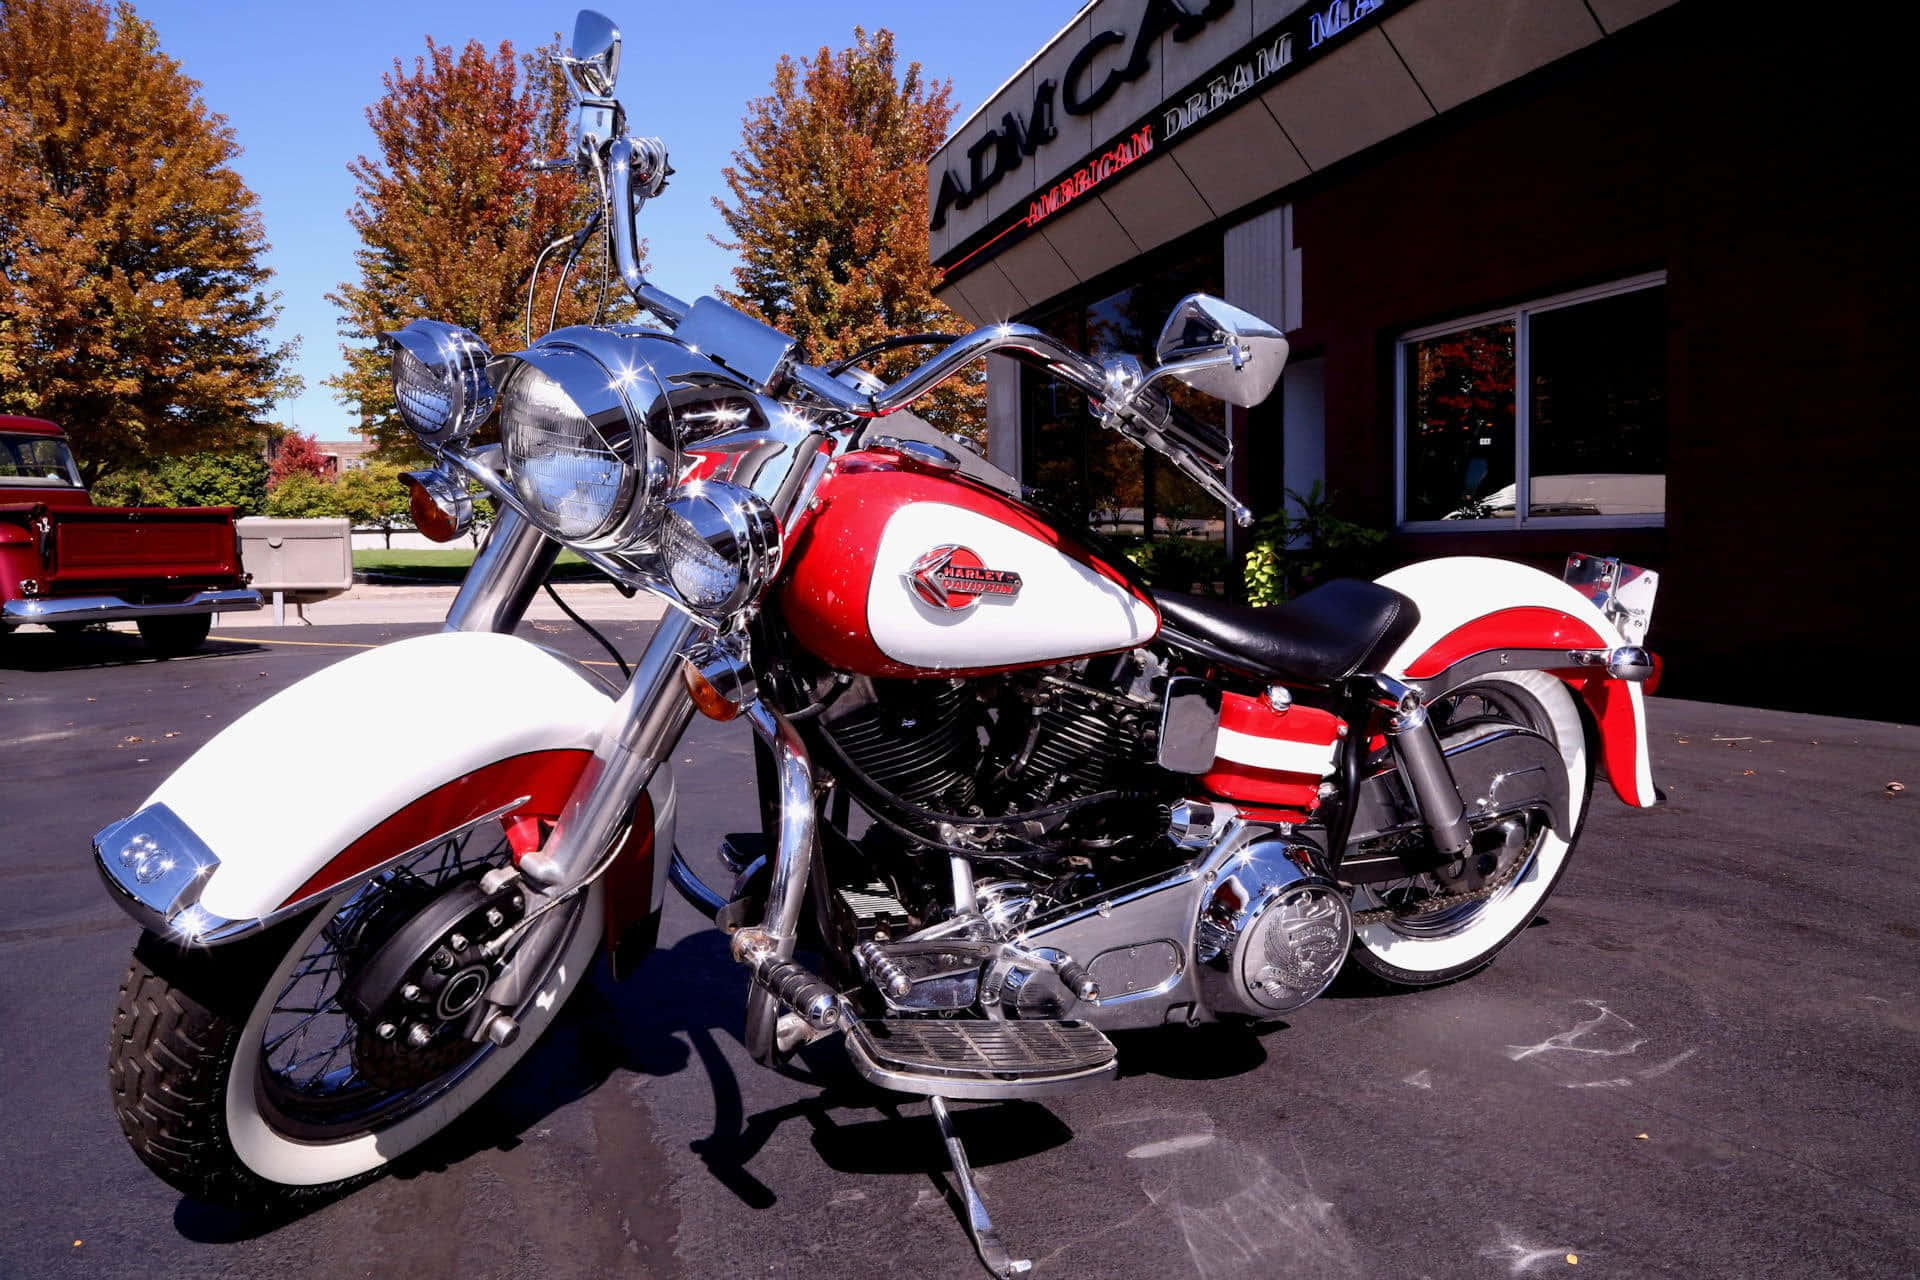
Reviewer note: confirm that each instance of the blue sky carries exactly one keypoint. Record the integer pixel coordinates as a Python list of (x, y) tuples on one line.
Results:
[(294, 81)]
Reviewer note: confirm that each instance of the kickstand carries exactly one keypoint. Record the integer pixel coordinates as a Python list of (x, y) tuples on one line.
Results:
[(979, 1226)]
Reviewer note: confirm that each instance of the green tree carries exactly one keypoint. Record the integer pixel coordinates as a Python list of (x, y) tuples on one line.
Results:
[(451, 215), (1294, 552), (230, 478), (829, 211), (302, 497), (372, 496), (133, 302)]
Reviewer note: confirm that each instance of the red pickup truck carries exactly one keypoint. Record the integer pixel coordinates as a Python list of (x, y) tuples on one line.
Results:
[(65, 563)]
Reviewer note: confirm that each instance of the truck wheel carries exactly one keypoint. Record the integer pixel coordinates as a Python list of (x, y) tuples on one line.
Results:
[(168, 637)]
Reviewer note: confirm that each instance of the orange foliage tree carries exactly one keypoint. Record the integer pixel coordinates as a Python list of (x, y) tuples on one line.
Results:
[(452, 215), (133, 301), (829, 210)]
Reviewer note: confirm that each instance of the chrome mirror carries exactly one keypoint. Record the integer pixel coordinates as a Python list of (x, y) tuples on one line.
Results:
[(593, 56), (1218, 349)]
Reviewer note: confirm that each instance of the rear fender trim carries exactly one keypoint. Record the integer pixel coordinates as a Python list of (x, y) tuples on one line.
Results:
[(1472, 606)]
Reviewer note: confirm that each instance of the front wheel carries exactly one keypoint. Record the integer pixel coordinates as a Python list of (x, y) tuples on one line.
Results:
[(1438, 945), (239, 1077)]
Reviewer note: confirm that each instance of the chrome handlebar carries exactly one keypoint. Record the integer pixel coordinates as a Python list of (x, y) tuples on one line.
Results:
[(1118, 390)]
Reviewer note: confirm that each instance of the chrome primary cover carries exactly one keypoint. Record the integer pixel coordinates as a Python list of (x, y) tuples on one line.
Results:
[(1271, 934)]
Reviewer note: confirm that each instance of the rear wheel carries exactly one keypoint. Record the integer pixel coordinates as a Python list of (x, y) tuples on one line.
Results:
[(171, 635), (1428, 947), (240, 1077)]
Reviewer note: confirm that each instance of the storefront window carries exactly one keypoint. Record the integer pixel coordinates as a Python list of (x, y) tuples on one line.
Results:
[(1460, 453), (1093, 475), (1553, 411)]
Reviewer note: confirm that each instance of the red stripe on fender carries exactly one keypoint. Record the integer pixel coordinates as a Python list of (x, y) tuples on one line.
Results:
[(629, 881), (1523, 628), (1531, 627), (1611, 702), (546, 778)]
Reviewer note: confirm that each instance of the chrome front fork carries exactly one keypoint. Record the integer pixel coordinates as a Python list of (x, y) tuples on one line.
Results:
[(513, 562), (648, 721)]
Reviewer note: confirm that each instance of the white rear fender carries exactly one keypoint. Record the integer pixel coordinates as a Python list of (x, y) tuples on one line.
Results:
[(354, 766), (1471, 605)]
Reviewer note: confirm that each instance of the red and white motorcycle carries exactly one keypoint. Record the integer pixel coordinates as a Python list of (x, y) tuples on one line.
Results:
[(1083, 806)]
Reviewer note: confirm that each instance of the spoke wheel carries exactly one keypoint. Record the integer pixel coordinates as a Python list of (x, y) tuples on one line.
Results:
[(1440, 945), (322, 1074), (239, 1077)]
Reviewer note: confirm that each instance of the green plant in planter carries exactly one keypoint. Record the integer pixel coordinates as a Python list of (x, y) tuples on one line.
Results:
[(1293, 552), (1180, 564)]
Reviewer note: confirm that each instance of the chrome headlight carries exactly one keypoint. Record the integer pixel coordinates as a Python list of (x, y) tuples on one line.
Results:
[(719, 546), (440, 379), (588, 431), (574, 480)]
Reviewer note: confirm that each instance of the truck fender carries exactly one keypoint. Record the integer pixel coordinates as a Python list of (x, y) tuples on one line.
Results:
[(368, 759), (1472, 604)]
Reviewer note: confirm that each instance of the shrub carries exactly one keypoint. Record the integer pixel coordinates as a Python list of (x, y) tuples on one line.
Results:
[(1292, 553), (1181, 564)]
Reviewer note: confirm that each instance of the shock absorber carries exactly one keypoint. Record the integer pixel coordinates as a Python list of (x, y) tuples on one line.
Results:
[(1416, 749)]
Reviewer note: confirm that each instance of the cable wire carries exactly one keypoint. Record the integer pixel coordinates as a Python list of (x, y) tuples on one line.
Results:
[(626, 672)]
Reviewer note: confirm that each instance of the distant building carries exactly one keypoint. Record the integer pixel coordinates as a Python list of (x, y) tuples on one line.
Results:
[(1617, 276), (345, 455)]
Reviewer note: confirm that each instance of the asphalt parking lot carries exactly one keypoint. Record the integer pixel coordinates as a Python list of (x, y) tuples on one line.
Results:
[(1701, 1061)]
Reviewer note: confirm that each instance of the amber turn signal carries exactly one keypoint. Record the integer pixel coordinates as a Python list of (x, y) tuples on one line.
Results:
[(430, 517), (710, 702), (719, 679)]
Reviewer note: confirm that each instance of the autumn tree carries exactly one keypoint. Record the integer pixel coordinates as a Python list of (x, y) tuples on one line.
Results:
[(829, 210), (133, 301), (296, 454), (451, 214)]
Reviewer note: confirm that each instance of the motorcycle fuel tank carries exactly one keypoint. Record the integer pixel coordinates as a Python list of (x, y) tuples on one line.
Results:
[(904, 570)]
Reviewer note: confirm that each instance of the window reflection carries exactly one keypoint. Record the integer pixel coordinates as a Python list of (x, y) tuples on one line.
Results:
[(1460, 447), (1091, 475), (1598, 404), (1589, 437)]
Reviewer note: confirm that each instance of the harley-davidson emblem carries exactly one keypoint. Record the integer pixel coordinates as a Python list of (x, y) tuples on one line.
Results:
[(953, 578)]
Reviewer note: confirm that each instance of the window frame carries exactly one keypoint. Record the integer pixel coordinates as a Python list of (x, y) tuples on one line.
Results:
[(1520, 316)]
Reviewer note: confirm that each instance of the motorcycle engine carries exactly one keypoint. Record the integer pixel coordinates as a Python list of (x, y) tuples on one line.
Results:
[(1047, 761)]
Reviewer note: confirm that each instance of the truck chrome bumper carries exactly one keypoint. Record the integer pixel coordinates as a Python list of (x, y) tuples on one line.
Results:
[(114, 609)]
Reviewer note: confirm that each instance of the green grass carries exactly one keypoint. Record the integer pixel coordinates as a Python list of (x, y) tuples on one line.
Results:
[(450, 565)]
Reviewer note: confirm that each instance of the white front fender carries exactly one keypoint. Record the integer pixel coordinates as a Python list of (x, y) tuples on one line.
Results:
[(344, 760)]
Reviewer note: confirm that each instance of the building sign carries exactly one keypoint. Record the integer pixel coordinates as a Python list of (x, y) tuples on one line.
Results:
[(1276, 54), (1000, 150)]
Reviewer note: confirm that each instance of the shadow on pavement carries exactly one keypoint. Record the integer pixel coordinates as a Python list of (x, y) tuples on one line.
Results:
[(39, 650)]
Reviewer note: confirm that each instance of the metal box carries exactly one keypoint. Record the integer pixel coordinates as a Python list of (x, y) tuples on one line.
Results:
[(299, 561)]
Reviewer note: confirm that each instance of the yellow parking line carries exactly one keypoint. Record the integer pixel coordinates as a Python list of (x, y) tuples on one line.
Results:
[(341, 644), (304, 644)]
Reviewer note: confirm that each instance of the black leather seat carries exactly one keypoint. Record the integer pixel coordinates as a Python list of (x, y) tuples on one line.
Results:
[(1333, 631)]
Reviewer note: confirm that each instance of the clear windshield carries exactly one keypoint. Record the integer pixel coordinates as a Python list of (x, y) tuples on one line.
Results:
[(36, 460)]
